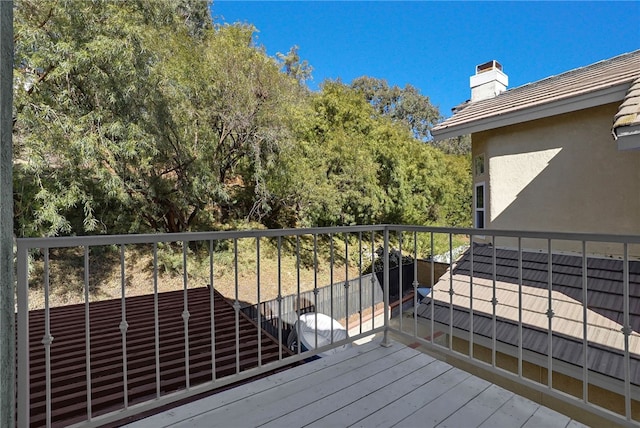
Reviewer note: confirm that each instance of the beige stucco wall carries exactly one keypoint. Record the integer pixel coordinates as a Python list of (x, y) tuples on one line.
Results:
[(562, 174)]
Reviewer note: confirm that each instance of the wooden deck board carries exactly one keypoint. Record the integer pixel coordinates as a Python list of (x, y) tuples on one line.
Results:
[(393, 413), (434, 412), (366, 386), (271, 404), (399, 387), (515, 413), (304, 409), (544, 417), (480, 408)]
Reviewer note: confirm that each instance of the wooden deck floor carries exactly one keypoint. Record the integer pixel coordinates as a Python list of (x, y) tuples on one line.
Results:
[(365, 386)]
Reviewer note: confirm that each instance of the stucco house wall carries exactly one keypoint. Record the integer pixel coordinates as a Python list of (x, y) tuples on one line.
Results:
[(562, 173)]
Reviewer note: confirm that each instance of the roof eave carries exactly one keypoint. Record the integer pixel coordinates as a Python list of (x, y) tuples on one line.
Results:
[(600, 97)]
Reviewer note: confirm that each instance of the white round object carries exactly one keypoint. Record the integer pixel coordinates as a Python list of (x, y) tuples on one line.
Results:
[(311, 322)]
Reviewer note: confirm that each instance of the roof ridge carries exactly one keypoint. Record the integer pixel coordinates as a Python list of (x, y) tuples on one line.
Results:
[(564, 74), (588, 86)]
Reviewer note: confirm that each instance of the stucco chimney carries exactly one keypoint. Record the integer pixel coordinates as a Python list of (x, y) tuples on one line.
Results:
[(488, 81)]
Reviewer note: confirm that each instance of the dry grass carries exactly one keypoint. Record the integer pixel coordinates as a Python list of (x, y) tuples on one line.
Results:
[(105, 279)]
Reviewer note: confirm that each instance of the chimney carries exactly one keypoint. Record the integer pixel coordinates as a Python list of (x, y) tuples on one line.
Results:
[(488, 82)]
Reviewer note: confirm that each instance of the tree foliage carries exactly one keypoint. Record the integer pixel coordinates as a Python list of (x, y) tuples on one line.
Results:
[(295, 67), (138, 116), (405, 105), (148, 116), (353, 165)]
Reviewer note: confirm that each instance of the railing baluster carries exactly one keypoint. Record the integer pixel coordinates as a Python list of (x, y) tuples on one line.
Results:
[(236, 303), (400, 277), (279, 298), (185, 313), (415, 284), (520, 307), (471, 297), (451, 291), (87, 332), (124, 326), (156, 316), (47, 339), (259, 314), (626, 331), (23, 384), (346, 281), (315, 286), (331, 280), (373, 280), (433, 289), (360, 278), (550, 316), (494, 304), (585, 331), (299, 309), (212, 306), (385, 281)]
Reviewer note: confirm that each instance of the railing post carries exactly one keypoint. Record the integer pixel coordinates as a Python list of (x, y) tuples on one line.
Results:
[(7, 286), (385, 288)]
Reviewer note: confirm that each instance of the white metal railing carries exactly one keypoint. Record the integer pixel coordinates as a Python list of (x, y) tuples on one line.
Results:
[(625, 389), (410, 240)]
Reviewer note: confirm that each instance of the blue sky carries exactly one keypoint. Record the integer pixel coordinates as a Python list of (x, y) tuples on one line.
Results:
[(435, 46)]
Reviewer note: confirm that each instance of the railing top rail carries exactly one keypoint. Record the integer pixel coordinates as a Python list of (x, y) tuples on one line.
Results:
[(97, 240), (529, 234)]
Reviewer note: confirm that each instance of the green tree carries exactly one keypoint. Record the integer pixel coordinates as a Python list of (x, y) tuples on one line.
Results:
[(454, 146), (353, 165), (328, 177), (458, 195), (230, 107), (134, 116), (294, 67), (83, 86), (405, 105), (147, 116)]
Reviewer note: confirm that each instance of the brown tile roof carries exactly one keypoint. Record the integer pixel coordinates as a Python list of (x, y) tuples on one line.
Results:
[(604, 301), (518, 101), (68, 365), (629, 112)]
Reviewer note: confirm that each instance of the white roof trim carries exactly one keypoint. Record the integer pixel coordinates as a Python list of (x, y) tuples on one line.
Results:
[(592, 99), (629, 141)]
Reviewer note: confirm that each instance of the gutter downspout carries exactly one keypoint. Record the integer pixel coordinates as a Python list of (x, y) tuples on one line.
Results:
[(7, 285)]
